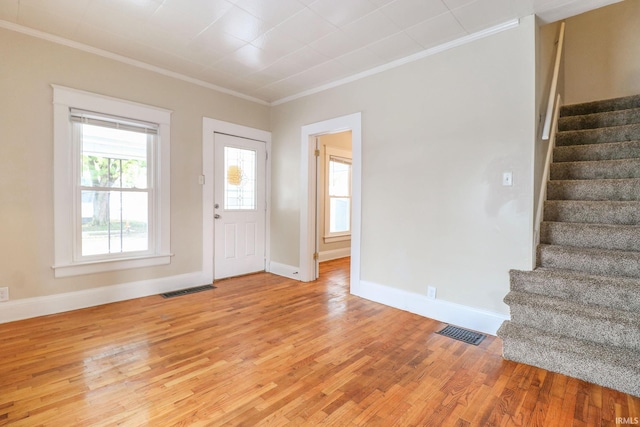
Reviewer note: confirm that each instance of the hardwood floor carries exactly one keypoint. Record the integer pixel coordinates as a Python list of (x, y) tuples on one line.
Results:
[(266, 350)]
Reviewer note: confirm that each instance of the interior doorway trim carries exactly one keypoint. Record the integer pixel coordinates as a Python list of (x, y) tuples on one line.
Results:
[(352, 122), (209, 128)]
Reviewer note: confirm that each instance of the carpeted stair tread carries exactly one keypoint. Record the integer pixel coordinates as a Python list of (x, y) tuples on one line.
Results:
[(602, 325), (603, 169), (613, 367), (596, 136), (600, 236), (604, 151), (598, 120), (594, 189), (621, 103), (622, 293), (587, 211), (601, 262)]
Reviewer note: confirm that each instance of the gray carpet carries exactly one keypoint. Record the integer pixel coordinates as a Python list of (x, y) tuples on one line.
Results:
[(578, 312)]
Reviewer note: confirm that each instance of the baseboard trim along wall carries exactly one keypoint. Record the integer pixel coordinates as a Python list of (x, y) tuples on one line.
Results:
[(444, 311), (334, 254), (284, 270), (58, 303)]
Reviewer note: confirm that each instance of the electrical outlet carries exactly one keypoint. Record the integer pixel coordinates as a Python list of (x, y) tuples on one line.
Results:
[(431, 292), (4, 294)]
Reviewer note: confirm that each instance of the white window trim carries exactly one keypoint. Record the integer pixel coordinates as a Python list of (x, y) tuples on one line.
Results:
[(64, 186), (338, 236)]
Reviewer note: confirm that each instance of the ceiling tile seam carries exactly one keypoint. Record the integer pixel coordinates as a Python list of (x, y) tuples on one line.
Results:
[(455, 16), (120, 58)]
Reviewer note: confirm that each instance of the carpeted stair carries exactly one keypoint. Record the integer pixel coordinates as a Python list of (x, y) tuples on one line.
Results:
[(578, 312)]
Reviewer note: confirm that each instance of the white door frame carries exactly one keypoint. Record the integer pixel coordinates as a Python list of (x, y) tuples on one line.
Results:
[(209, 128), (352, 122)]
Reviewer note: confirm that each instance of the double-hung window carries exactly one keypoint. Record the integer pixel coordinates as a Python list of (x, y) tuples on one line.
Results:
[(111, 183), (338, 195)]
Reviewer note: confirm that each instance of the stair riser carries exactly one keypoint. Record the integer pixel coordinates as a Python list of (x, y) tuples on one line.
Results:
[(591, 236), (605, 332), (599, 120), (618, 169), (626, 264), (623, 103), (616, 293), (594, 152), (623, 213), (594, 190), (578, 365), (598, 136)]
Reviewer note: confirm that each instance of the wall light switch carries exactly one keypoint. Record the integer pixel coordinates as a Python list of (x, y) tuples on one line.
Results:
[(507, 179)]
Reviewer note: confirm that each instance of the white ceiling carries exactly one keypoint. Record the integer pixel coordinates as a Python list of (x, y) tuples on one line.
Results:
[(269, 50)]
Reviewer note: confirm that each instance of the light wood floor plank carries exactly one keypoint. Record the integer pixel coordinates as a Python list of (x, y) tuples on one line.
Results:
[(263, 350)]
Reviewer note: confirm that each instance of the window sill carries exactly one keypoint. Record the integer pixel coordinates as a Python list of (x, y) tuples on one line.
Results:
[(333, 239), (77, 269)]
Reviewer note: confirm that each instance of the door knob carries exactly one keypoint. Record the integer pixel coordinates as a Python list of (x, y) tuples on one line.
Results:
[(216, 216)]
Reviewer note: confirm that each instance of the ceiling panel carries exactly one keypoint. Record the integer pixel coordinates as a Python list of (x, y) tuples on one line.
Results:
[(270, 49), (406, 13)]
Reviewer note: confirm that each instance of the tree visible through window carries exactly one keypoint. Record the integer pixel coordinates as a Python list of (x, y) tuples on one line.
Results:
[(114, 188)]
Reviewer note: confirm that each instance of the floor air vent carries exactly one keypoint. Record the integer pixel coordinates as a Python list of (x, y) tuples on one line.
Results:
[(462, 335), (187, 291)]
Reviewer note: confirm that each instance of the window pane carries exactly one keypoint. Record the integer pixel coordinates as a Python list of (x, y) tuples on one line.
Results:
[(339, 215), (339, 179), (114, 222), (240, 183), (113, 158)]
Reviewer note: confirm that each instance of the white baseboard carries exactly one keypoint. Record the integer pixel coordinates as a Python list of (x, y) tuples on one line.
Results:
[(284, 270), (41, 306), (444, 311), (334, 254)]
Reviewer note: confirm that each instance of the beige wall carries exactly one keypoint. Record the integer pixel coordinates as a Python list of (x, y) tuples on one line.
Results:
[(28, 66), (341, 141), (603, 53), (437, 135)]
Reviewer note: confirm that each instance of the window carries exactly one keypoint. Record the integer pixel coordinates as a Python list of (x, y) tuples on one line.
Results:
[(338, 195), (111, 183)]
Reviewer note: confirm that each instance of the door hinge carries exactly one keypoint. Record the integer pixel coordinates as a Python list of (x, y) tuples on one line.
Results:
[(316, 153), (316, 255)]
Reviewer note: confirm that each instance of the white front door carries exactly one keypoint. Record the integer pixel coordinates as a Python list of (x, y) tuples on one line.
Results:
[(240, 206)]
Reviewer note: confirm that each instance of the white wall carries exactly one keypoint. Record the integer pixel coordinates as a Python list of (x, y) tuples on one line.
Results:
[(437, 135)]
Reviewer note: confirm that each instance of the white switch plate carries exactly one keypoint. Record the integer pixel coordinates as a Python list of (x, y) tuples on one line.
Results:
[(507, 179), (4, 294), (431, 292)]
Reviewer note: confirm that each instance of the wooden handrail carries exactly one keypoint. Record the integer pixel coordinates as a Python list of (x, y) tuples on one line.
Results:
[(546, 131), (545, 175)]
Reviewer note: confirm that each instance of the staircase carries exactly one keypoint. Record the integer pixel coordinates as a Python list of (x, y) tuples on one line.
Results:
[(578, 312)]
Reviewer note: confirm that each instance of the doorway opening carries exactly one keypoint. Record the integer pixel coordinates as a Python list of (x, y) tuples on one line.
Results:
[(334, 192), (309, 212)]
